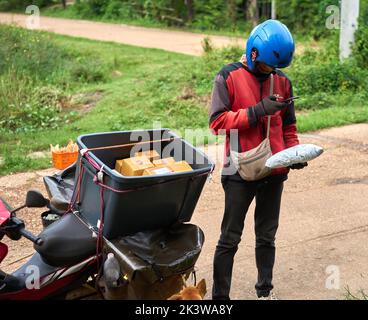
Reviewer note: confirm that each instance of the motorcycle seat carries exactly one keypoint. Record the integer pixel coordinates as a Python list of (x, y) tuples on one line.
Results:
[(66, 242)]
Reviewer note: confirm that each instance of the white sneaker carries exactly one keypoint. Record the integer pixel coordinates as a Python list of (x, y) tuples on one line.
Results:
[(271, 296)]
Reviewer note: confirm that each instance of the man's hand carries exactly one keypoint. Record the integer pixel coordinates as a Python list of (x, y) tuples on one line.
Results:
[(268, 106), (298, 166)]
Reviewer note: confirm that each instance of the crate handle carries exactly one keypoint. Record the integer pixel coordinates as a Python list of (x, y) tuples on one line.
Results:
[(127, 145)]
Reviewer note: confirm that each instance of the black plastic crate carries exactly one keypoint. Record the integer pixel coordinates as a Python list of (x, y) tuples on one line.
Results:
[(152, 201)]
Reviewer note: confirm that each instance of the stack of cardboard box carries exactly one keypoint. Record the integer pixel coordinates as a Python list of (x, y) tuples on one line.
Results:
[(149, 163)]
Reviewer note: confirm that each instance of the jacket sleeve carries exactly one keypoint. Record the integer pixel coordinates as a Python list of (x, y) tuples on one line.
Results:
[(221, 117), (289, 123)]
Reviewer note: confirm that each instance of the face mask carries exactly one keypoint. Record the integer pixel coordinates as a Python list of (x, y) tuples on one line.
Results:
[(260, 69)]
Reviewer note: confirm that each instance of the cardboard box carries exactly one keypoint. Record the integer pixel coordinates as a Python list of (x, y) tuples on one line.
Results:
[(180, 166), (157, 170), (163, 162), (118, 164), (134, 166), (150, 154)]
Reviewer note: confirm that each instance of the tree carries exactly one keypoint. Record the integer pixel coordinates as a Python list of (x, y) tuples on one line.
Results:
[(232, 10), (189, 4), (253, 12), (63, 2)]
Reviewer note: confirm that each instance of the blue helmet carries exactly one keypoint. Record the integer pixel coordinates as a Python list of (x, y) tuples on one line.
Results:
[(273, 43)]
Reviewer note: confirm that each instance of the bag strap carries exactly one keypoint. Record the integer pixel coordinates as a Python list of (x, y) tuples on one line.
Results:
[(269, 117)]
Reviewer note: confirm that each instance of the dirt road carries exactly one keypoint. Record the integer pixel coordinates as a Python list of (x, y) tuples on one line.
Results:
[(321, 242), (324, 221), (323, 229), (177, 41)]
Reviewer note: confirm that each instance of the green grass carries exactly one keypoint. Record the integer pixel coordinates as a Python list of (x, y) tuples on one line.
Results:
[(360, 295), (143, 86), (37, 75), (147, 89), (332, 117)]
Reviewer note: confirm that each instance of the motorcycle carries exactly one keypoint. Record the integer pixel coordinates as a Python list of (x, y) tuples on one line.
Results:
[(150, 244), (66, 259)]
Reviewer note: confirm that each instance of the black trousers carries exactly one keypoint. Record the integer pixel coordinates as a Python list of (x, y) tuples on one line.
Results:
[(238, 197)]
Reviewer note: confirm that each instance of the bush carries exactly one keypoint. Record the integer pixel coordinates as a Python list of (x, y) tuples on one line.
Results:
[(115, 9), (302, 16), (360, 48), (317, 75), (88, 71), (210, 64), (328, 78), (34, 117), (25, 108), (306, 17), (22, 4), (210, 14), (97, 6)]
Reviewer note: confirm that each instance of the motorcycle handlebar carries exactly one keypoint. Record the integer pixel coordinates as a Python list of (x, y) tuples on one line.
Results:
[(30, 236)]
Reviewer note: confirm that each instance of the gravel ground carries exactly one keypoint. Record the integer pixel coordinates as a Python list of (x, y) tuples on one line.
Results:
[(324, 221)]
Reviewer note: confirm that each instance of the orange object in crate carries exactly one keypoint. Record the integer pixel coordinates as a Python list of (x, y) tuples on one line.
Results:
[(65, 156)]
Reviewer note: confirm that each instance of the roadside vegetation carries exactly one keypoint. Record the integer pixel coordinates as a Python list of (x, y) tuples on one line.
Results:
[(230, 17), (360, 295), (54, 88)]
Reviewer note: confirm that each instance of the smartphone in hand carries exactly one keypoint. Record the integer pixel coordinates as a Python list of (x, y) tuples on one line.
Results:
[(289, 100)]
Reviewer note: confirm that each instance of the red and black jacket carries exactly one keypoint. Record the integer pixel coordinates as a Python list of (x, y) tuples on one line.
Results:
[(235, 90)]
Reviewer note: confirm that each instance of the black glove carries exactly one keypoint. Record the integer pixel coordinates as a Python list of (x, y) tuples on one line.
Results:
[(268, 106), (298, 166)]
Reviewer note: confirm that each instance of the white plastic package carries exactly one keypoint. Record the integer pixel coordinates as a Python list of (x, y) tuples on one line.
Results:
[(297, 154)]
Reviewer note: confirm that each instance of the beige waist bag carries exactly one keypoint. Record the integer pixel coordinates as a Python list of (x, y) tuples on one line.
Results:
[(251, 164)]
